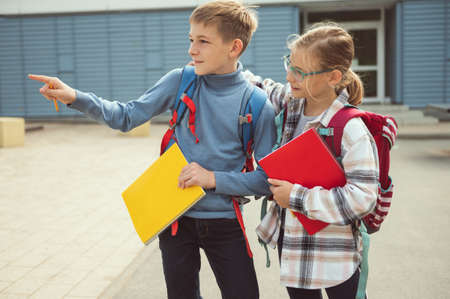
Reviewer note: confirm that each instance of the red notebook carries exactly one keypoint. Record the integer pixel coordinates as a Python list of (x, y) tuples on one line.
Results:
[(305, 160)]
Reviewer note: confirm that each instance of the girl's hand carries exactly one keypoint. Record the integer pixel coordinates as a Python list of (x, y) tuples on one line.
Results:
[(195, 175), (281, 191)]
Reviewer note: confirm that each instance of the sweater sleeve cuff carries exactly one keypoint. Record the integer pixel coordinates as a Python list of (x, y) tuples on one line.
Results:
[(220, 186), (297, 199), (81, 100)]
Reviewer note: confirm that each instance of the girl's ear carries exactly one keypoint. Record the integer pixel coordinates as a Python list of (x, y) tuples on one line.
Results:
[(334, 78), (236, 48)]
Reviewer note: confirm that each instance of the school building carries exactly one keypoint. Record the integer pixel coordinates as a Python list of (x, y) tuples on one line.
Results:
[(118, 49)]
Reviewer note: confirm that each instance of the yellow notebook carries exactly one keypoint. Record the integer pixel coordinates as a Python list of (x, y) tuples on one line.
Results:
[(154, 200)]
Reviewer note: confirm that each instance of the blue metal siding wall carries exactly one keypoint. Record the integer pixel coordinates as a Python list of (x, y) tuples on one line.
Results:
[(92, 54), (447, 45), (424, 46), (127, 54), (12, 93), (39, 53), (398, 84), (117, 56), (269, 42), (65, 57)]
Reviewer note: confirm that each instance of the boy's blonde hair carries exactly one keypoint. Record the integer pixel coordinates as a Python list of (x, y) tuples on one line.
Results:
[(334, 49), (232, 18)]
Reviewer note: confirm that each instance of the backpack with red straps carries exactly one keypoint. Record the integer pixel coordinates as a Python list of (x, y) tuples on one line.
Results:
[(384, 132), (252, 104)]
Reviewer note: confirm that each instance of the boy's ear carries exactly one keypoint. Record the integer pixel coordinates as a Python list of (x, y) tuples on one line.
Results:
[(236, 48)]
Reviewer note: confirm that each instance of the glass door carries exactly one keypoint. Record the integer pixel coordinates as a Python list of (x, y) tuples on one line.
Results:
[(368, 62), (365, 61)]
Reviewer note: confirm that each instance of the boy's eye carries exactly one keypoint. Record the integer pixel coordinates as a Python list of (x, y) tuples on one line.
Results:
[(191, 40), (203, 41)]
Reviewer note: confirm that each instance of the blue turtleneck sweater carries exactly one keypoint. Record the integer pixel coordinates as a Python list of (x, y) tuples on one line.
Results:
[(218, 100)]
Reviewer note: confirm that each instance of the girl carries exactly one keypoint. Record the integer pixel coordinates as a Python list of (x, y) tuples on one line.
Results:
[(320, 83)]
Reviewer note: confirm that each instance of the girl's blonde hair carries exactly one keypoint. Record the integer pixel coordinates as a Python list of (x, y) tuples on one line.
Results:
[(334, 49)]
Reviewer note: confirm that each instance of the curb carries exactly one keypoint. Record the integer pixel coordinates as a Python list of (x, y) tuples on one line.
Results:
[(120, 281)]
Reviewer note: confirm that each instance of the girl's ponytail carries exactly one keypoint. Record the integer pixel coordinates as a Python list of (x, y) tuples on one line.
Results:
[(355, 88)]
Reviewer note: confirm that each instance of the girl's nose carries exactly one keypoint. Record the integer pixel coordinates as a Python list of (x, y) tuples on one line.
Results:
[(289, 77)]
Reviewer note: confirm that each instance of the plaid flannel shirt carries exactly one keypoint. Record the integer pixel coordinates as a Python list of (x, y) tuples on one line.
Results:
[(333, 254)]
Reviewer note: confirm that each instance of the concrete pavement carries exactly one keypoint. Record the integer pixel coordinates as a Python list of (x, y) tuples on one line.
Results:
[(408, 258), (66, 233), (64, 230)]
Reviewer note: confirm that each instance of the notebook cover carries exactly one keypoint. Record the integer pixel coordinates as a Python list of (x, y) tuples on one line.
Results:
[(154, 200), (305, 160)]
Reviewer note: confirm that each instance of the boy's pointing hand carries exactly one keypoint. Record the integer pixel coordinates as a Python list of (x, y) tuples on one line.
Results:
[(195, 175), (55, 89)]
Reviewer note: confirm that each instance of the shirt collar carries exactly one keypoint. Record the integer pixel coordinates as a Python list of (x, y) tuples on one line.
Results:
[(325, 117)]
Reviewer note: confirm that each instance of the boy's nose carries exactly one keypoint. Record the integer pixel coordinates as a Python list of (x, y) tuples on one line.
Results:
[(192, 51)]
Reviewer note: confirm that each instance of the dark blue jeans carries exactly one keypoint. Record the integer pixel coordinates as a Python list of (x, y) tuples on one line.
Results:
[(224, 245)]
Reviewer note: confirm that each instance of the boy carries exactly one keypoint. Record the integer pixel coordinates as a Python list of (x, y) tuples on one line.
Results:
[(219, 33)]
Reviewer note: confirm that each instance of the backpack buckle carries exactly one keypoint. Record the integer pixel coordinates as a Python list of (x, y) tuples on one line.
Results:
[(172, 124), (325, 131), (246, 119)]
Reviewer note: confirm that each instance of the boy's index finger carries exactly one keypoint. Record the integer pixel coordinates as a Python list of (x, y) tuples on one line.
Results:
[(41, 78)]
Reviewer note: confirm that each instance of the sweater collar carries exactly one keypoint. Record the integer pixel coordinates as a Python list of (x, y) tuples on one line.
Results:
[(225, 80)]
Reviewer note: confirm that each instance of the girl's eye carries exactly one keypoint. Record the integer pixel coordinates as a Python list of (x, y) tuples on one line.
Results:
[(203, 41), (191, 40)]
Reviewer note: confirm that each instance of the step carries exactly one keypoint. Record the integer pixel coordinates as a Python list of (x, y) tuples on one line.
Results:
[(439, 107), (402, 114), (405, 114), (417, 121), (413, 118), (384, 108), (440, 111)]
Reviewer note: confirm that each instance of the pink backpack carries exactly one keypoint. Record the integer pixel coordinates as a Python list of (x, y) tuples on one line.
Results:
[(384, 131)]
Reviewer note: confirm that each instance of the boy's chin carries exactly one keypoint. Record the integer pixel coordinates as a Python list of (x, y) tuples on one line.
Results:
[(199, 71)]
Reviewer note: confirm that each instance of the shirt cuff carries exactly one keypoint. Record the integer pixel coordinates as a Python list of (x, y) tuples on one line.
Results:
[(81, 100), (297, 199), (220, 187)]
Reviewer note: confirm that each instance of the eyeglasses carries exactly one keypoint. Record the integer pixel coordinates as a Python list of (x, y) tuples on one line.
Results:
[(298, 74)]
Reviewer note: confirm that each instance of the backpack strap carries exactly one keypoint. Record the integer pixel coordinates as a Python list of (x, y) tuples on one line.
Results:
[(280, 124), (251, 107), (183, 100), (333, 133), (333, 137), (364, 268)]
